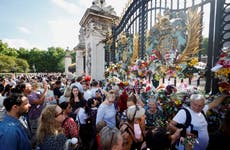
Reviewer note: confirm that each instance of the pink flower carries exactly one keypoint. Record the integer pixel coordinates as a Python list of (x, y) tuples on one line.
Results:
[(135, 67), (152, 58)]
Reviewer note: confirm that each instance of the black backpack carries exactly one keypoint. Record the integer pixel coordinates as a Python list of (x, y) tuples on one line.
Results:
[(188, 123)]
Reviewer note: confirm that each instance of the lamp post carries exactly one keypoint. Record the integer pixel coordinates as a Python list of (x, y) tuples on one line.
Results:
[(15, 70), (34, 69)]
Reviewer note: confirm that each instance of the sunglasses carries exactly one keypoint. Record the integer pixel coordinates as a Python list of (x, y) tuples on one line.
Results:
[(61, 113)]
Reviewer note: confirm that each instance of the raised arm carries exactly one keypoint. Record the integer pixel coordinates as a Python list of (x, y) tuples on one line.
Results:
[(42, 96), (216, 102)]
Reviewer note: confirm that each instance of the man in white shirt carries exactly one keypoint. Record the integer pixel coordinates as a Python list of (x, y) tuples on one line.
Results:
[(198, 120), (94, 88), (87, 93)]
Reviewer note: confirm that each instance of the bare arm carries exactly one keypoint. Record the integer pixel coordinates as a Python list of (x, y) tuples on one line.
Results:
[(175, 135), (216, 102), (172, 126), (139, 101), (42, 96)]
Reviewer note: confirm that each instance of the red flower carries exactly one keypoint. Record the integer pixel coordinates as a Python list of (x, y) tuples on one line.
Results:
[(221, 62), (121, 84), (148, 88), (122, 101), (87, 78), (223, 54)]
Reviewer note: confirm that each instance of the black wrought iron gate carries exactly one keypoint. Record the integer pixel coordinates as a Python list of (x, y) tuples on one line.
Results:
[(141, 15)]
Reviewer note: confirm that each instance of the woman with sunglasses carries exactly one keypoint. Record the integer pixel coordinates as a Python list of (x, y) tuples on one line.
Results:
[(133, 129), (50, 133)]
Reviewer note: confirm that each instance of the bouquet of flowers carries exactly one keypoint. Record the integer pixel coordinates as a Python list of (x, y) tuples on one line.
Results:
[(222, 71)]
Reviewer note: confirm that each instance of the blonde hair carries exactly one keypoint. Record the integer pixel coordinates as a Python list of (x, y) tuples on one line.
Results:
[(111, 95), (47, 124)]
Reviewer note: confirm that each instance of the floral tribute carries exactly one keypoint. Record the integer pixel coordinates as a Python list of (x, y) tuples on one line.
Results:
[(222, 71), (171, 50)]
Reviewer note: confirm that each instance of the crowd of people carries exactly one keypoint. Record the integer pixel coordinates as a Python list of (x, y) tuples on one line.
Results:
[(52, 111)]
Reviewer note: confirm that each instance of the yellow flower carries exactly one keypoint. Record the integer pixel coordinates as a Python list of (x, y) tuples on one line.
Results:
[(126, 83), (177, 102), (193, 62), (163, 68), (178, 67), (221, 89)]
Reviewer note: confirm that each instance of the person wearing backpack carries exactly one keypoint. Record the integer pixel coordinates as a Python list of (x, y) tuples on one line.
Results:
[(193, 121), (133, 130), (86, 130)]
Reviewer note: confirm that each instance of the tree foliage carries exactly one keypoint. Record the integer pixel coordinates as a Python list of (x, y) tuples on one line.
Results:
[(24, 60), (73, 56), (21, 65), (7, 63)]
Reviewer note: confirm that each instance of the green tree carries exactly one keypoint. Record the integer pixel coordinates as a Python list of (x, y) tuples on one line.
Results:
[(35, 58), (10, 52), (21, 65), (57, 56), (23, 53), (7, 64), (3, 46), (5, 50), (51, 60), (12, 64), (73, 56)]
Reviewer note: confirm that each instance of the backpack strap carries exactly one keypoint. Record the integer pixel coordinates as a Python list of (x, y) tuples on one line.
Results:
[(188, 117), (125, 127), (204, 115)]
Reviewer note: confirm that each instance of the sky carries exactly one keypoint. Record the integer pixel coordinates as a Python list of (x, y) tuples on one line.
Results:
[(44, 23)]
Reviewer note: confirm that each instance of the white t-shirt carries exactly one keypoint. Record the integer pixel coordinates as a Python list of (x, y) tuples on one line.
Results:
[(81, 116), (93, 91), (199, 123), (87, 94)]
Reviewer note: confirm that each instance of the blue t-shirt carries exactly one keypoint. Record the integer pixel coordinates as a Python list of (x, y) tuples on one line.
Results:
[(107, 113), (13, 135)]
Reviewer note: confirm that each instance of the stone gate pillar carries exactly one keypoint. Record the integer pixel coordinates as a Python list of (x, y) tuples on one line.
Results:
[(79, 62), (80, 50), (97, 22), (68, 60)]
